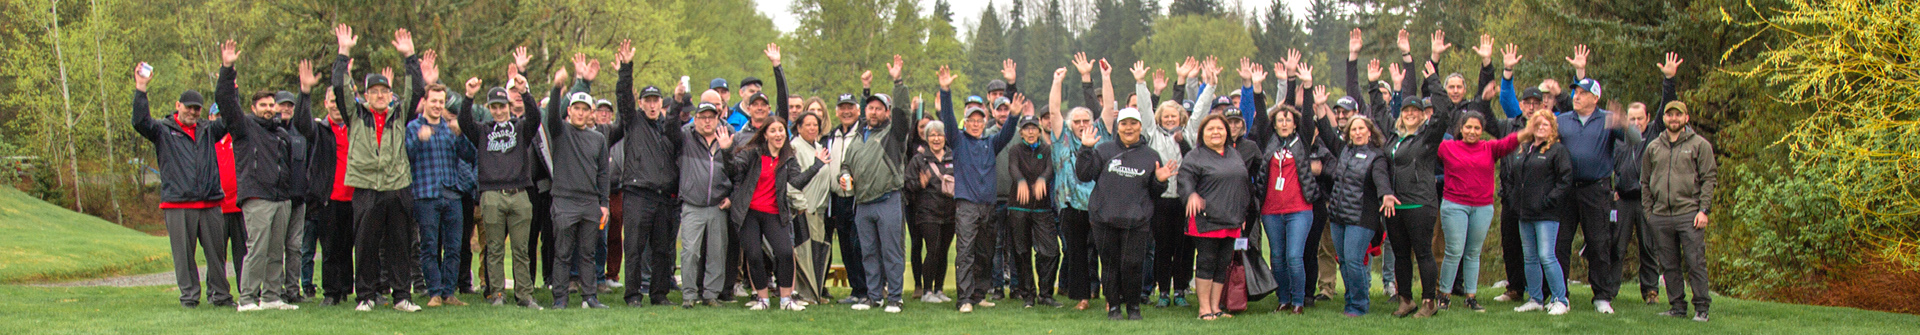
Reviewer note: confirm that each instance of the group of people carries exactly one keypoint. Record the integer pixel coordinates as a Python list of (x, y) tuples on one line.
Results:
[(1124, 197)]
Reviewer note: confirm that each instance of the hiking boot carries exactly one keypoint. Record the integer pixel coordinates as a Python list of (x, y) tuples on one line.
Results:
[(1427, 309), (1651, 297), (435, 302), (1474, 304), (1406, 307), (1133, 311), (1113, 313)]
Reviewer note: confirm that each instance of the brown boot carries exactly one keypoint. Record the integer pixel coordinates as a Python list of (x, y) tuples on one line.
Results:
[(1427, 308), (435, 302), (453, 301), (1406, 307)]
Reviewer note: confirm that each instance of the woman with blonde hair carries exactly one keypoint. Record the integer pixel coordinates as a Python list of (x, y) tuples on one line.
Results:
[(1544, 174)]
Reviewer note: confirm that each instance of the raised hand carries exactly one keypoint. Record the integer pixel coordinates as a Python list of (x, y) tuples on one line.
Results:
[(624, 54), (403, 42), (1671, 67), (343, 35), (1246, 69), (520, 57), (1089, 136), (866, 78), (1008, 70), (1485, 50), (559, 78), (1373, 70), (1440, 44), (1354, 42), (1430, 70), (1259, 75), (229, 52), (1292, 62), (893, 69), (1106, 69), (1398, 74), (308, 78), (773, 53), (1405, 42), (585, 68), (1511, 56), (1019, 101), (473, 87), (827, 158), (946, 77), (1139, 70), (1320, 95), (1059, 75), (1085, 66), (1186, 68), (516, 82), (1159, 79), (140, 81), (1305, 74), (387, 72), (429, 67), (1162, 172), (1579, 59)]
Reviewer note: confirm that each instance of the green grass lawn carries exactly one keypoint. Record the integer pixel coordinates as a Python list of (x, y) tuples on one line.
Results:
[(139, 310), (40, 242)]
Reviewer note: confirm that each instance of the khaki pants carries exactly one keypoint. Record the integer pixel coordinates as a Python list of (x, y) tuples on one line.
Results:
[(504, 215)]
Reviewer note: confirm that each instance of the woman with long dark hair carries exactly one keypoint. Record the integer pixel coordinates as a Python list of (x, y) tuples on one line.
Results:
[(1362, 192), (767, 166), (1466, 205)]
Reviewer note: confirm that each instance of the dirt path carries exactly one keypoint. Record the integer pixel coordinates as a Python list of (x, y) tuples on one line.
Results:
[(151, 279)]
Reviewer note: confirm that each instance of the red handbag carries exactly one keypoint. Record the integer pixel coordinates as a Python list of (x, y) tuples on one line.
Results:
[(1233, 298)]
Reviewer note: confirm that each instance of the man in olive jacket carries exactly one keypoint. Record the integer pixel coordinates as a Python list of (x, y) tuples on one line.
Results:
[(1678, 172), (377, 169)]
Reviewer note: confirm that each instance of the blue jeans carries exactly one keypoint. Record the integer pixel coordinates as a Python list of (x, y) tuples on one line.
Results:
[(1465, 228), (1352, 242), (440, 243), (1536, 240), (1287, 241)]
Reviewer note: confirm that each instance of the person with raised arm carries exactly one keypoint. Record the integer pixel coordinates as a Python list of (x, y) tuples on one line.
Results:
[(190, 193), (378, 171), (505, 160)]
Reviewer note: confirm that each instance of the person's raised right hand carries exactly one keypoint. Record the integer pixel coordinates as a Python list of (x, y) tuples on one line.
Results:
[(139, 81), (403, 42), (343, 35), (1354, 42), (1672, 66)]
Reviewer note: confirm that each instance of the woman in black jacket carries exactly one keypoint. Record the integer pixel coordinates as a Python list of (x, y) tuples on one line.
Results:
[(762, 209), (1128, 176), (1413, 155), (930, 179), (1213, 180), (1543, 173), (1362, 192)]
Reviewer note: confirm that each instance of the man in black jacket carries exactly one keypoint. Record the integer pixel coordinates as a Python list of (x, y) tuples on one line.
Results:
[(262, 153), (189, 190), (648, 182), (579, 157)]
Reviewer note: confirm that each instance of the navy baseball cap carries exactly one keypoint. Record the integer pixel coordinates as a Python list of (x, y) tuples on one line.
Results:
[(1346, 103), (1589, 85), (717, 84)]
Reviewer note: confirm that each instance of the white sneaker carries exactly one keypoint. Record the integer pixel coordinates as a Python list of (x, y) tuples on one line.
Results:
[(279, 305), (249, 308), (1501, 297), (611, 283), (1529, 307), (1603, 306), (862, 306), (929, 298), (406, 306), (891, 308), (966, 308), (943, 297), (365, 306), (756, 305), (1558, 308), (1500, 284), (986, 303), (793, 306)]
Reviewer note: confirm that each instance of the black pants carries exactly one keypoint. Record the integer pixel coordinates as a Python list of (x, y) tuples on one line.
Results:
[(575, 241), (1172, 248), (541, 233), (1511, 254), (652, 221), (383, 245), (1311, 261), (930, 269), (236, 223), (1036, 251), (1411, 232), (735, 264), (336, 244), (778, 235), (1587, 209), (1211, 257), (1682, 247), (840, 224), (467, 234), (1630, 230), (1125, 251), (1077, 247)]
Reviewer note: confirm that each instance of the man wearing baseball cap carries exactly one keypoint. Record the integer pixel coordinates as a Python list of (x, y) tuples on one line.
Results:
[(648, 183), (579, 157), (876, 159), (840, 203), (1589, 134), (190, 193), (505, 161), (703, 189), (378, 171), (973, 160)]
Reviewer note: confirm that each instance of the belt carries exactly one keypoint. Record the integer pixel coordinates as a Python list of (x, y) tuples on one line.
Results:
[(1585, 183), (883, 197)]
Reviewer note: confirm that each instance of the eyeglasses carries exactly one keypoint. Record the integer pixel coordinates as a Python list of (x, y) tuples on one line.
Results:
[(379, 91), (1082, 121)]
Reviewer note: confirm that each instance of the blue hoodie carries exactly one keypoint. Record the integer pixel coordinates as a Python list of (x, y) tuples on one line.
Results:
[(973, 157)]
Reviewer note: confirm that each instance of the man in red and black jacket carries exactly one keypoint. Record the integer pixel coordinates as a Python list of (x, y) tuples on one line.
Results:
[(189, 197)]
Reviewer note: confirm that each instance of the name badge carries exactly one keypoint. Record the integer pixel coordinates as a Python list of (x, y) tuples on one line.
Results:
[(1240, 243), (1360, 156)]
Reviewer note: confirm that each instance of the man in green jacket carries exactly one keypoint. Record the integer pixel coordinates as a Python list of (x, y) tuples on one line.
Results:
[(1678, 169), (377, 169)]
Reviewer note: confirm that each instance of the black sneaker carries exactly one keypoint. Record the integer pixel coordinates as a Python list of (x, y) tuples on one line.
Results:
[(1474, 304), (636, 302), (995, 294), (1445, 302), (1678, 313), (1029, 303), (1133, 311), (1050, 303), (594, 303), (559, 303), (1321, 297), (530, 304), (190, 304), (1113, 313)]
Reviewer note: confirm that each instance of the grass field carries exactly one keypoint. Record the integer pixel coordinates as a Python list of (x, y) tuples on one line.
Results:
[(43, 243), (153, 309)]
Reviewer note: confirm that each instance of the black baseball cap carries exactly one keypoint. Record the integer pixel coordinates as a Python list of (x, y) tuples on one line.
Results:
[(706, 107), (283, 97), (650, 91), (497, 95), (758, 96), (1530, 93), (1413, 102), (847, 99), (750, 80), (193, 98), (377, 79), (996, 85)]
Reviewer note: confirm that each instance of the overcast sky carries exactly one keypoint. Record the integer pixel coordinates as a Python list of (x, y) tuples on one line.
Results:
[(967, 12)]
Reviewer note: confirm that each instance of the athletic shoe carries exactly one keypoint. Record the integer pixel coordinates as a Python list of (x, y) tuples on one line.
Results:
[(1558, 308), (893, 307), (1511, 295), (986, 303), (714, 303), (249, 308), (1678, 313), (279, 305), (966, 308), (1050, 303), (1529, 307), (686, 304), (1603, 306), (592, 302), (1180, 299), (1163, 302), (1474, 304), (757, 305), (453, 301), (406, 306), (531, 304), (861, 306), (1392, 290), (929, 297), (793, 305), (365, 306), (1113, 313), (850, 300), (329, 301), (1700, 317)]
